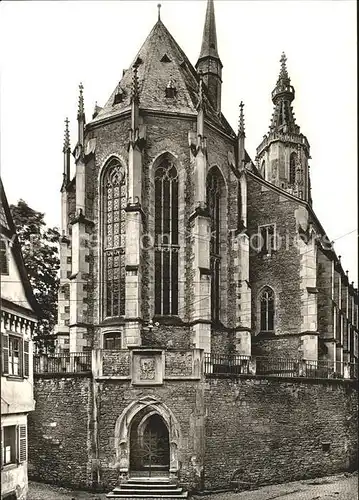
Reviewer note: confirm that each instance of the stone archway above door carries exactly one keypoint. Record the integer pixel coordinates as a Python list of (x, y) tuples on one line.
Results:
[(150, 405)]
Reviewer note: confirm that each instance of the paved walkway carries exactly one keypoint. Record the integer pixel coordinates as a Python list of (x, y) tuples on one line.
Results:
[(340, 487)]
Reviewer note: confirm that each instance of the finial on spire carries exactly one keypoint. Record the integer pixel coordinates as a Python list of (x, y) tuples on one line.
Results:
[(159, 11), (81, 110), (241, 118), (283, 69), (66, 136)]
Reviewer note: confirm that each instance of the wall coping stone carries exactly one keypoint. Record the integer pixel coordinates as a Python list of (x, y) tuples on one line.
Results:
[(272, 378)]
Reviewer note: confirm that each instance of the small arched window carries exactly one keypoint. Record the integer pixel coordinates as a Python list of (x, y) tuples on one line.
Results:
[(292, 167), (267, 310), (166, 239), (114, 202)]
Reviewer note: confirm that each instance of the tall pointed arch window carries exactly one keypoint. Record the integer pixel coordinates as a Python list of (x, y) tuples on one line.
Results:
[(214, 188), (266, 300), (166, 239), (114, 202), (292, 167)]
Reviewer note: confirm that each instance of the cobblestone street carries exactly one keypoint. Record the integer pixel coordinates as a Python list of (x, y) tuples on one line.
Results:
[(340, 487)]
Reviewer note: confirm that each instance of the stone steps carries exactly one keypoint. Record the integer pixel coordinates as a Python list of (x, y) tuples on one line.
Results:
[(151, 488)]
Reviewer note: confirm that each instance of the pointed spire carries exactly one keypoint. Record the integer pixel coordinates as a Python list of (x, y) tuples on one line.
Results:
[(66, 136), (241, 120), (283, 88), (209, 40), (209, 62)]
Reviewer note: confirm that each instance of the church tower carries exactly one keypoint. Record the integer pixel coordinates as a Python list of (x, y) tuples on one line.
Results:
[(282, 157)]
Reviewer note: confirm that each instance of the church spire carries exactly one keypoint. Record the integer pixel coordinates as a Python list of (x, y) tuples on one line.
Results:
[(209, 62), (282, 156), (282, 96), (209, 39)]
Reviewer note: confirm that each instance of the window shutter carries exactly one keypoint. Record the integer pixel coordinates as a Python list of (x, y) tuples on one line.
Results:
[(5, 353), (26, 358), (2, 446), (22, 442)]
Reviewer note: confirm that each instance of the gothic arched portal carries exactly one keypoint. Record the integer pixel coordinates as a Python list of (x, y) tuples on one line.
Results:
[(149, 443), (147, 436)]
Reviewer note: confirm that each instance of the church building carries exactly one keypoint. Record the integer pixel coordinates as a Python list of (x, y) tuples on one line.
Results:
[(173, 236), (178, 253)]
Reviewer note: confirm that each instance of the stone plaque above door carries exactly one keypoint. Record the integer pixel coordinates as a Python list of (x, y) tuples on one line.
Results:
[(147, 366)]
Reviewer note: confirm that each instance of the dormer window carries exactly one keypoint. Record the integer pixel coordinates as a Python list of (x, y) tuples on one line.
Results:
[(118, 96), (165, 59), (171, 89)]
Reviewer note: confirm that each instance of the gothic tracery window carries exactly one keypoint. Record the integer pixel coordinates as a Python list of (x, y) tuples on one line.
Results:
[(114, 202), (267, 310), (214, 187), (292, 167), (166, 239)]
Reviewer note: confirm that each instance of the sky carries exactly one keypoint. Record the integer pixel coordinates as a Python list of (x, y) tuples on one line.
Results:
[(48, 48)]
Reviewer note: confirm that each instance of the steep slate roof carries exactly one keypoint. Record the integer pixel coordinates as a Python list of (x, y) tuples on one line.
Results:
[(154, 76)]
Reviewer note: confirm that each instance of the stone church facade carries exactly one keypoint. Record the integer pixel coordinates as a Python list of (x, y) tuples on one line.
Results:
[(178, 250), (168, 222)]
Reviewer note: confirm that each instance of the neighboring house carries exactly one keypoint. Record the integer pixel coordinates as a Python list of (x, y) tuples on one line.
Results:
[(19, 312)]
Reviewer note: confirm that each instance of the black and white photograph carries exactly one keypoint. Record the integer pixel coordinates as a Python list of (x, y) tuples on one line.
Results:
[(178, 249)]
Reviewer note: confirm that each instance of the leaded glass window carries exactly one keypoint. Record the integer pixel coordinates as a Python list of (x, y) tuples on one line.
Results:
[(214, 186), (114, 239), (166, 239), (267, 310)]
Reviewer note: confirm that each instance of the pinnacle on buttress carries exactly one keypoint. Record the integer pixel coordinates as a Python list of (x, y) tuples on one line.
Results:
[(135, 92), (66, 136), (241, 120), (200, 90), (81, 109)]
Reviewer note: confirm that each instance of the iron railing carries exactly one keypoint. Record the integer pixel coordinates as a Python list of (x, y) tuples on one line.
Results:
[(215, 364), (278, 367), (235, 363), (73, 362)]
